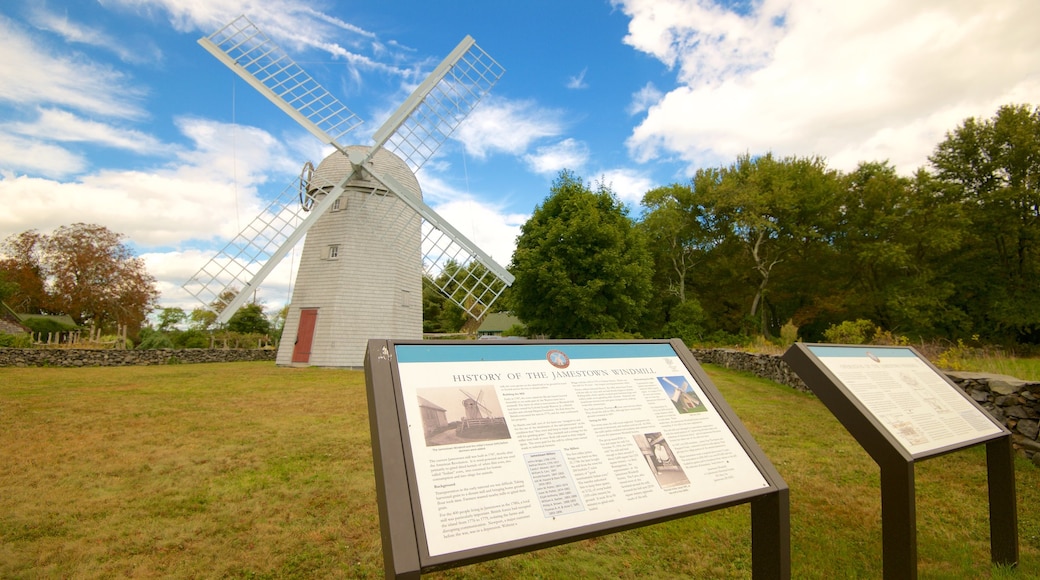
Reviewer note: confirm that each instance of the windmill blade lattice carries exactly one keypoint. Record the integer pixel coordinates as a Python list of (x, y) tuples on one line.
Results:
[(245, 49), (440, 104), (238, 263)]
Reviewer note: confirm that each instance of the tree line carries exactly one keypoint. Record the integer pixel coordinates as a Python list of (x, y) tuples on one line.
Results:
[(952, 251), (758, 247)]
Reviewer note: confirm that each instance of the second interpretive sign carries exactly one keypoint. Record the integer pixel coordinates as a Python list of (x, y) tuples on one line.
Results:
[(923, 412), (510, 444)]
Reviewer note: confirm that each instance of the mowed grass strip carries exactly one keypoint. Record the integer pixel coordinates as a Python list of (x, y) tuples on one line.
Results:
[(249, 470)]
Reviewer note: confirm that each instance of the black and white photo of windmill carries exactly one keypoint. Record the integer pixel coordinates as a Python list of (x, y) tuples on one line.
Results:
[(369, 236), (452, 415)]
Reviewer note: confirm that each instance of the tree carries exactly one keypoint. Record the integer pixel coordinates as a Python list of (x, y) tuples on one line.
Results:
[(7, 288), (170, 317), (201, 319), (680, 238), (774, 209), (21, 263), (82, 270), (95, 278), (894, 234), (993, 168), (582, 267), (249, 319)]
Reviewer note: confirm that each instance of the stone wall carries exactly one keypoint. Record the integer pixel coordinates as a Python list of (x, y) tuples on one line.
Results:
[(72, 357), (1013, 402)]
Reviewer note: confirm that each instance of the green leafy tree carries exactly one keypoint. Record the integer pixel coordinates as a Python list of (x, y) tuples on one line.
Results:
[(7, 288), (993, 169), (170, 317), (776, 211), (201, 319), (582, 267), (249, 319), (894, 236)]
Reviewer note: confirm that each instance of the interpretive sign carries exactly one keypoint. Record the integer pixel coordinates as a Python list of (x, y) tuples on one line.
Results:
[(919, 407), (512, 446), (901, 409)]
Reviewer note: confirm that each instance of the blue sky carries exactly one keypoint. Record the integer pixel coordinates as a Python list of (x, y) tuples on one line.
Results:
[(111, 113)]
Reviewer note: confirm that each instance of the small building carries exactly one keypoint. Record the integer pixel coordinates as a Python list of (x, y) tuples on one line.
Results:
[(434, 417), (496, 323)]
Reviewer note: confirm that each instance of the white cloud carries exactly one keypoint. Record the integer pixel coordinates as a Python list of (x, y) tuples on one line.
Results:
[(24, 155), (34, 74), (550, 159), (82, 34), (58, 125), (850, 81), (506, 126), (629, 185), (644, 98), (578, 81)]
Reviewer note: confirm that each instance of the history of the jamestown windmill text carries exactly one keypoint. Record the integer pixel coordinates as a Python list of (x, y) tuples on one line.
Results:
[(510, 450)]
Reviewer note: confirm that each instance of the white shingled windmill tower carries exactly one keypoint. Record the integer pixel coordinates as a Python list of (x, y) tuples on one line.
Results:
[(370, 238)]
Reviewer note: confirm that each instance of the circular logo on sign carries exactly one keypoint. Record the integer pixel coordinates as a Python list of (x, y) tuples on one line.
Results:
[(557, 359)]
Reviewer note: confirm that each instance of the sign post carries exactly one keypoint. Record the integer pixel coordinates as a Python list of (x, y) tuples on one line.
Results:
[(901, 409), (484, 450)]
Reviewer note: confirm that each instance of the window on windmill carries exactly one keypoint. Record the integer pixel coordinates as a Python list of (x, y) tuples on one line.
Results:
[(335, 204), (333, 251)]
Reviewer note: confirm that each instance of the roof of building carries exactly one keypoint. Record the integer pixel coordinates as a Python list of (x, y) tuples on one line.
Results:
[(10, 322), (426, 403), (497, 322)]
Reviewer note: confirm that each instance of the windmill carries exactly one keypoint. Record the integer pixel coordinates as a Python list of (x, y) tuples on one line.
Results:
[(475, 407), (480, 421), (369, 236)]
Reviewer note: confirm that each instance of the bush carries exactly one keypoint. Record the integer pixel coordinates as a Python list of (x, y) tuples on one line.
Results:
[(515, 330), (687, 322), (851, 332), (153, 339), (788, 334), (15, 341), (190, 339)]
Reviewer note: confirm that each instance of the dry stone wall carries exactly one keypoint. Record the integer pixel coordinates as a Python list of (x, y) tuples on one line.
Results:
[(1013, 402), (72, 357)]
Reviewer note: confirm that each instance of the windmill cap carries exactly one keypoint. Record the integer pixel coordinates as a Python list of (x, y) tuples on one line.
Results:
[(336, 167)]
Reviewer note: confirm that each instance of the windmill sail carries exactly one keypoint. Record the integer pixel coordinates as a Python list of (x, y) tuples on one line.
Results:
[(414, 133), (245, 49)]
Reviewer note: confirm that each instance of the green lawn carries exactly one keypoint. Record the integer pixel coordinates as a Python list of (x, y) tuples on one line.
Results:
[(249, 470)]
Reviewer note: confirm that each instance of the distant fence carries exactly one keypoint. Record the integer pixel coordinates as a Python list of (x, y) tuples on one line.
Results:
[(1013, 402), (82, 357)]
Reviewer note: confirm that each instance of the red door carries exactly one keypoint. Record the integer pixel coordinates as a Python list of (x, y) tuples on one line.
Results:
[(304, 335)]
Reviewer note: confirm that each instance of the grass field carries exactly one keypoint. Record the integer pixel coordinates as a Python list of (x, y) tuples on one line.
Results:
[(248, 470)]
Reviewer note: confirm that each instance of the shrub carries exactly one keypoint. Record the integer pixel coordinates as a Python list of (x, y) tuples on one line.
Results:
[(687, 322), (515, 330), (15, 341), (851, 332), (788, 334), (153, 339)]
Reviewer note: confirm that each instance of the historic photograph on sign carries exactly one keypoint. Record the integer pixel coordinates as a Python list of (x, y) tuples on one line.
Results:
[(680, 391), (661, 460), (451, 415)]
